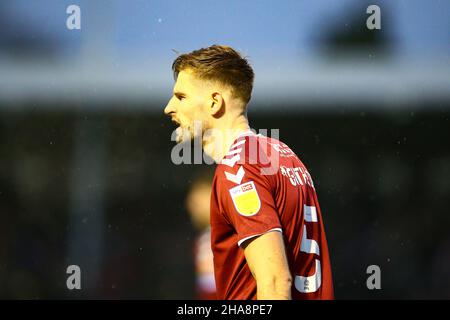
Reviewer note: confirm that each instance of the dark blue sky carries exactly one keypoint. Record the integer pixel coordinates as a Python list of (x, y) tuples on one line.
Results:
[(269, 28), (124, 47)]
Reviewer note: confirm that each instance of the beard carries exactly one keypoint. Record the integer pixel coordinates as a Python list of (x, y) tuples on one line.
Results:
[(189, 132), (180, 135)]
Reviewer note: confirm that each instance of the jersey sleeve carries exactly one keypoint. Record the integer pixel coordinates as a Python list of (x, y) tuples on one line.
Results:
[(246, 200)]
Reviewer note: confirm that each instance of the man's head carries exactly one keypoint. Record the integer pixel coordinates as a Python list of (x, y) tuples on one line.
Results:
[(211, 84)]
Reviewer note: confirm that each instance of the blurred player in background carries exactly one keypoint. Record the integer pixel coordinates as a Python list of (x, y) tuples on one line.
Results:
[(198, 205), (267, 232)]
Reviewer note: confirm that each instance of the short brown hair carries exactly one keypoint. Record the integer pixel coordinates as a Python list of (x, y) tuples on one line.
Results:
[(221, 63)]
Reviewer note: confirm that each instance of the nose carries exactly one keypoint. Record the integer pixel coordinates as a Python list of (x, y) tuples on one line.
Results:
[(169, 108)]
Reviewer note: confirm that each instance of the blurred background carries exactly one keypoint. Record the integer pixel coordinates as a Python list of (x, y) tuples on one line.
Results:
[(86, 176)]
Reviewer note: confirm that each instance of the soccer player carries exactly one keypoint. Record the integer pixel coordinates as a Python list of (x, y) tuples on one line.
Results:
[(267, 232)]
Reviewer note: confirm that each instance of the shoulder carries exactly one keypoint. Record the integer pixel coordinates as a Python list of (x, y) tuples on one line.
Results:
[(239, 156), (248, 158)]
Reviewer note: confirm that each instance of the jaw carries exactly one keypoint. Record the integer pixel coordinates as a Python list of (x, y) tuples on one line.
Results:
[(179, 135), (188, 132)]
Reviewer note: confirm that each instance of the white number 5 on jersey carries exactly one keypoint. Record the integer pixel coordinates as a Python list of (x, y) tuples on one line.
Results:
[(311, 283)]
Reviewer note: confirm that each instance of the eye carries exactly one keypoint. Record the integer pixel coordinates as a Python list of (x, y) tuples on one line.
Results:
[(180, 97)]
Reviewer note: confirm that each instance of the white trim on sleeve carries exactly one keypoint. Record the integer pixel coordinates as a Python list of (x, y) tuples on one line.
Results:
[(257, 235)]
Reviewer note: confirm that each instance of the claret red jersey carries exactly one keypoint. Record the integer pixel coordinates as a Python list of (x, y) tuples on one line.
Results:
[(261, 186)]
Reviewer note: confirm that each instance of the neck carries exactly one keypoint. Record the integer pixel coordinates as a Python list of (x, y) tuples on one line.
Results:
[(218, 140)]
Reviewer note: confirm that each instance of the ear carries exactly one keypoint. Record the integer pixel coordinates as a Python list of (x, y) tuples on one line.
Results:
[(217, 104)]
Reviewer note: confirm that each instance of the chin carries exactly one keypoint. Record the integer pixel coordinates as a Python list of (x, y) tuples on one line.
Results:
[(184, 134)]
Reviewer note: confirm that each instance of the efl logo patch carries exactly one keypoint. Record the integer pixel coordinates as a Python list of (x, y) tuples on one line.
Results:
[(246, 199)]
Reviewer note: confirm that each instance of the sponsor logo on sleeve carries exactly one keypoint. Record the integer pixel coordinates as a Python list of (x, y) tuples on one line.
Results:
[(246, 199)]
